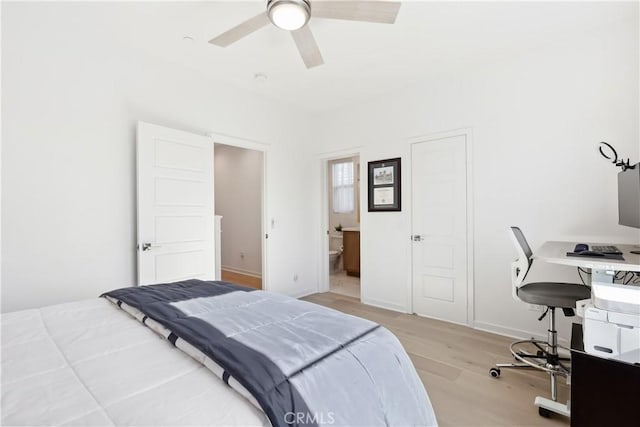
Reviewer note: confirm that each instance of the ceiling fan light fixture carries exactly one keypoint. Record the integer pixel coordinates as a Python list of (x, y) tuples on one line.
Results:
[(289, 15)]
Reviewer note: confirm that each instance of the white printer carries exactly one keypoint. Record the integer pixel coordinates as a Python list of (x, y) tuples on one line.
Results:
[(612, 322)]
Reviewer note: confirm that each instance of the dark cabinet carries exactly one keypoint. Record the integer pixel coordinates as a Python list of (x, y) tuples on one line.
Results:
[(604, 392), (351, 243)]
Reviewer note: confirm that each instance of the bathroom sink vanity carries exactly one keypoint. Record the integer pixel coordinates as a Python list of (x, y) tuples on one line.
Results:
[(351, 242)]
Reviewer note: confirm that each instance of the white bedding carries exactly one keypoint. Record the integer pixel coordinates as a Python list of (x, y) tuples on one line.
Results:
[(89, 363)]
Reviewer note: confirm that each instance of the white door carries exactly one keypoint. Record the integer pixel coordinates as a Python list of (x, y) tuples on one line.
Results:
[(439, 224), (175, 205)]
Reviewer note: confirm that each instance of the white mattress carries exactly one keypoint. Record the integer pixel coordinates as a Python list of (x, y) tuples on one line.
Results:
[(88, 363)]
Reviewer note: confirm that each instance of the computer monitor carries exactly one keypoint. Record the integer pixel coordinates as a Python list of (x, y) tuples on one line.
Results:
[(629, 197)]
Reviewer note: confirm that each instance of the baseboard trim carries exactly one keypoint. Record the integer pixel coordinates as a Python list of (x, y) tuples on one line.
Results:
[(481, 326), (445, 320), (304, 293), (383, 304), (518, 334), (241, 271)]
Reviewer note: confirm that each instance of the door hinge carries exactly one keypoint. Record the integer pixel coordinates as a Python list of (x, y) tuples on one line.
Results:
[(266, 236)]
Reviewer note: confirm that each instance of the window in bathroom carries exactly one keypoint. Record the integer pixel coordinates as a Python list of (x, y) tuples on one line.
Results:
[(343, 191)]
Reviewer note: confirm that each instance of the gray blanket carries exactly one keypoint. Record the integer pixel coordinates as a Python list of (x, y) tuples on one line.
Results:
[(303, 363)]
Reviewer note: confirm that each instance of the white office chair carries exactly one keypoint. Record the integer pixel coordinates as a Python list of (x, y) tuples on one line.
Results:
[(552, 295)]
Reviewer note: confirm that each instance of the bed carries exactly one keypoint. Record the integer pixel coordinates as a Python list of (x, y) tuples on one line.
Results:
[(204, 353)]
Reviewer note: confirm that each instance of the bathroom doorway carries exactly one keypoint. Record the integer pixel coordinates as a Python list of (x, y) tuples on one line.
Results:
[(343, 221)]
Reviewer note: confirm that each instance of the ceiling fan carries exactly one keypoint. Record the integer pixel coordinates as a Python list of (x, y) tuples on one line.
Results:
[(294, 15)]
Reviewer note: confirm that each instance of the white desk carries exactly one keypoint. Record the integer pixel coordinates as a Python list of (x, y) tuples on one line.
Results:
[(603, 290), (556, 253), (605, 294)]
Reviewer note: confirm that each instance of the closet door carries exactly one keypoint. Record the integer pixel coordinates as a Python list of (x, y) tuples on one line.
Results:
[(175, 205), (439, 224)]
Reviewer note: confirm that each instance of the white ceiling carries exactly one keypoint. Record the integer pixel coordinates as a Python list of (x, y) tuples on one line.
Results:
[(362, 60)]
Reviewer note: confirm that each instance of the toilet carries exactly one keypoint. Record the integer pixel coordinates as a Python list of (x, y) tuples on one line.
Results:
[(334, 261), (335, 250)]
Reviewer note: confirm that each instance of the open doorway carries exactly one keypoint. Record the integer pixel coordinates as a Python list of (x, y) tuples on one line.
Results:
[(343, 185), (239, 174)]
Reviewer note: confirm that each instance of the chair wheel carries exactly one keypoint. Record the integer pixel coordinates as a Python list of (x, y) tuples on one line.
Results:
[(494, 372), (543, 412)]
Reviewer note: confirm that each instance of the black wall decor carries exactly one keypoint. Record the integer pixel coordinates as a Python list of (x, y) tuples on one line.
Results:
[(384, 186)]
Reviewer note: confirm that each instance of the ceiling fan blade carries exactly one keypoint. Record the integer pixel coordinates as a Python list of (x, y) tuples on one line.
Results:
[(307, 47), (240, 31), (382, 12)]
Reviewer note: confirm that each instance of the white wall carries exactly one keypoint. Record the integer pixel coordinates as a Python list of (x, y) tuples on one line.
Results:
[(70, 103), (69, 107), (536, 119), (239, 201)]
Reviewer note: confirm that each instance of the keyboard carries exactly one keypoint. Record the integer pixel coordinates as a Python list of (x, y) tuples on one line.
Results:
[(609, 250)]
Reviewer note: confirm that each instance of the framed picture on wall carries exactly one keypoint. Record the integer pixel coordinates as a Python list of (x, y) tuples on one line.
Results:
[(384, 185)]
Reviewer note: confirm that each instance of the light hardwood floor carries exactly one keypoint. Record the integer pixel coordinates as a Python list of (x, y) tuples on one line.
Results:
[(453, 362), (241, 279)]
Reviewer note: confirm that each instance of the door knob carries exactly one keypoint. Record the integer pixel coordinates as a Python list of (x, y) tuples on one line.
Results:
[(149, 246)]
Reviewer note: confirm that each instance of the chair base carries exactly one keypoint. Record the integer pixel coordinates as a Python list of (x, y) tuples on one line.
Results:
[(546, 359), (550, 362)]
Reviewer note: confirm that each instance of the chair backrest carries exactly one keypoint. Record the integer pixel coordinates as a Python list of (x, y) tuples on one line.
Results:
[(521, 266)]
